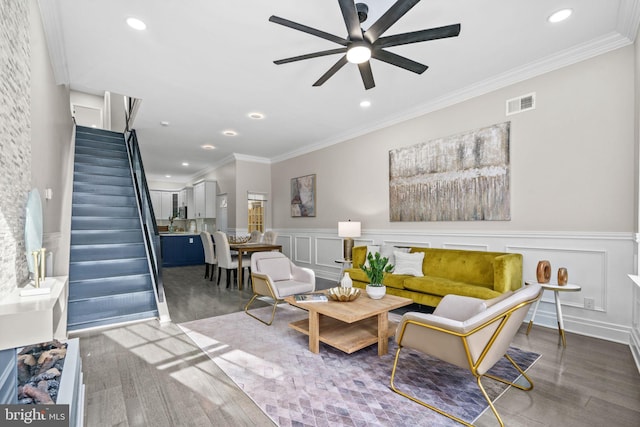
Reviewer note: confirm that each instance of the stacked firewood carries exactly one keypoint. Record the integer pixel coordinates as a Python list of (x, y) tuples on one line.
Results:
[(39, 370)]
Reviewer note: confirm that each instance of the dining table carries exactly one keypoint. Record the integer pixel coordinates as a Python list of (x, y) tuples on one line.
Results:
[(243, 248)]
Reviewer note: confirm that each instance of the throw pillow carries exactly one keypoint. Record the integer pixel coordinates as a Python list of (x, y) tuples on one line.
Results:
[(458, 307), (387, 251), (408, 263), (370, 250)]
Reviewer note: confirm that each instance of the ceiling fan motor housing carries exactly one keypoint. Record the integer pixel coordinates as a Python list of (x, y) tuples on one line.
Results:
[(362, 10)]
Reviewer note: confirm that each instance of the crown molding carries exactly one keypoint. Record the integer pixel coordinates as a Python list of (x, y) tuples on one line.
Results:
[(579, 53), (629, 18), (252, 159), (54, 34)]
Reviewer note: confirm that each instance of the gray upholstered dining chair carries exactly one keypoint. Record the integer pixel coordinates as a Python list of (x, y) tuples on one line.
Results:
[(210, 260), (255, 237), (468, 332), (269, 237), (273, 275), (224, 258)]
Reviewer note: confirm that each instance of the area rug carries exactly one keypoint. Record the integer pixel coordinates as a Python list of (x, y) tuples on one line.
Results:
[(294, 387)]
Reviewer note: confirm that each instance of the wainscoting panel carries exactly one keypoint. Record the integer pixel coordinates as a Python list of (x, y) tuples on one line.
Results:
[(466, 246), (325, 246), (598, 262), (586, 268), (287, 244), (302, 249)]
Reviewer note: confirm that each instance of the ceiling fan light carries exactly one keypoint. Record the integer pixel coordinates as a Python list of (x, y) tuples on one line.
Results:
[(358, 53)]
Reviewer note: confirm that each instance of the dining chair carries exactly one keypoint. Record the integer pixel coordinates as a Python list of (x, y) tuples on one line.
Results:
[(269, 237), (256, 237), (210, 260), (224, 258)]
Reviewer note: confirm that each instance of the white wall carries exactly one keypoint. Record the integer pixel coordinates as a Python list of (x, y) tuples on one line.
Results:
[(572, 188)]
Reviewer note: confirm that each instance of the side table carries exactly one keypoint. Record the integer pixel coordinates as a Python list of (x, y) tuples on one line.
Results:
[(344, 263), (556, 294)]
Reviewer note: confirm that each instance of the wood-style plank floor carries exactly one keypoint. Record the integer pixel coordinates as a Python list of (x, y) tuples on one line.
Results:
[(144, 374)]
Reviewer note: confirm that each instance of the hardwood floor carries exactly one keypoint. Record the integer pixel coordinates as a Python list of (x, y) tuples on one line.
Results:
[(144, 374)]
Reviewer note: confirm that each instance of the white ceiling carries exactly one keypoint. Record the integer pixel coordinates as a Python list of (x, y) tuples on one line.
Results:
[(204, 65)]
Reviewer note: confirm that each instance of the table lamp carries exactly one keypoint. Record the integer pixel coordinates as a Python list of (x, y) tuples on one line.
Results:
[(348, 230)]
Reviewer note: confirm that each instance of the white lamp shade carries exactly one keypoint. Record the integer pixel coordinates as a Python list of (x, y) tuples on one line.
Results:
[(349, 229)]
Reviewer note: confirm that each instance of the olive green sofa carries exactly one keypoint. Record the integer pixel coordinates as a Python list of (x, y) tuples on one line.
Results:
[(448, 271)]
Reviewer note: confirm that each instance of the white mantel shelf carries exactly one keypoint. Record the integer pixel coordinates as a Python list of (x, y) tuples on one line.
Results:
[(33, 319)]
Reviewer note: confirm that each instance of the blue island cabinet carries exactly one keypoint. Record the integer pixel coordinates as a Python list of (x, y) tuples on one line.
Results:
[(180, 250)]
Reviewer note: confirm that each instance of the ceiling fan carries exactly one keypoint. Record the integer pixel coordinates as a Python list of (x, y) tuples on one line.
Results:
[(360, 45)]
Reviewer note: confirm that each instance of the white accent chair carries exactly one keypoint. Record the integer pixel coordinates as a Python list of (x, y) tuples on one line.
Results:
[(269, 237), (210, 260), (255, 237), (225, 260), (470, 333), (273, 275)]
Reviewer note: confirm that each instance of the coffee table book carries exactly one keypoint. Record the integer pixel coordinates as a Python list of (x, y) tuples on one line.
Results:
[(311, 298)]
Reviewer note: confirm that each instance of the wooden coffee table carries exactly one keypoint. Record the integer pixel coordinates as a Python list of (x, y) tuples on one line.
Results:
[(349, 326)]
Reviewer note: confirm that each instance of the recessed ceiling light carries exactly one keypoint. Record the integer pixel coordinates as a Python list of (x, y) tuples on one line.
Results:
[(560, 15), (208, 147), (164, 123), (167, 176), (185, 164), (256, 116), (230, 133), (136, 24), (365, 104)]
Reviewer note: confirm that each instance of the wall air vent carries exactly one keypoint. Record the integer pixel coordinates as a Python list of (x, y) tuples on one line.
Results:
[(521, 103)]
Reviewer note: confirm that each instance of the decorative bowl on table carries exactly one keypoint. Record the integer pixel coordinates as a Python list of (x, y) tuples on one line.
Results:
[(342, 294)]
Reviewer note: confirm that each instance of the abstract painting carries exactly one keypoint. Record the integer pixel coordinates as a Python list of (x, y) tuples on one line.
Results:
[(303, 196), (463, 177)]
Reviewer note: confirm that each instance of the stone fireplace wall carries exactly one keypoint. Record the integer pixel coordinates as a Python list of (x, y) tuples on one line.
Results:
[(15, 129)]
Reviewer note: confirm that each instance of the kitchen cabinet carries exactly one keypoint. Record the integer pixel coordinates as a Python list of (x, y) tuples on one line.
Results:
[(204, 199), (185, 199), (181, 249), (165, 203)]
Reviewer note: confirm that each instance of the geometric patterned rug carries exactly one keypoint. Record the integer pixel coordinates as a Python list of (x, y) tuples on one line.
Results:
[(294, 387)]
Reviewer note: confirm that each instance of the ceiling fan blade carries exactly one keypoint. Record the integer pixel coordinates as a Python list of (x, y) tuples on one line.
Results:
[(419, 36), (367, 75), (308, 30), (351, 20), (310, 55), (389, 18), (399, 61), (341, 63)]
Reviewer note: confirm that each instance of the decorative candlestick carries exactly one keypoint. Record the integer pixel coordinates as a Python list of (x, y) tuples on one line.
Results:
[(36, 269), (43, 263)]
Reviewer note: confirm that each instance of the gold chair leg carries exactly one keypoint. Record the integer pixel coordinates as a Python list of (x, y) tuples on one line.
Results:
[(273, 313), (486, 397), (512, 384), (433, 408)]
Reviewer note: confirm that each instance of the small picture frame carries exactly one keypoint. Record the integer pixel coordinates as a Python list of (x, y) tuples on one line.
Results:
[(303, 196)]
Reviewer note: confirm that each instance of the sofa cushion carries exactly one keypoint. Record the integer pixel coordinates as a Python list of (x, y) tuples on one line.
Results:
[(459, 307), (441, 287), (276, 268), (473, 267), (407, 263), (390, 280)]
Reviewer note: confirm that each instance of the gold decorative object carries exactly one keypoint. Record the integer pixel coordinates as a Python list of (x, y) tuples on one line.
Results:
[(543, 272), (343, 294), (563, 276)]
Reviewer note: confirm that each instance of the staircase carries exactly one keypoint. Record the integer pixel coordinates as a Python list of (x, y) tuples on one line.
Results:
[(109, 277)]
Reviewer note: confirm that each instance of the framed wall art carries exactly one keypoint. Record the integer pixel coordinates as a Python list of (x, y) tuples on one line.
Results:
[(303, 196), (464, 177)]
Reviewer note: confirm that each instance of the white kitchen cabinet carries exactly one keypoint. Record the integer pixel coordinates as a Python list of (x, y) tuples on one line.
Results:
[(185, 199), (204, 199), (162, 202)]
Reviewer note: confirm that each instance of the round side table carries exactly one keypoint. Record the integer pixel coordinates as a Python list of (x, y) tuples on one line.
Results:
[(556, 293)]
